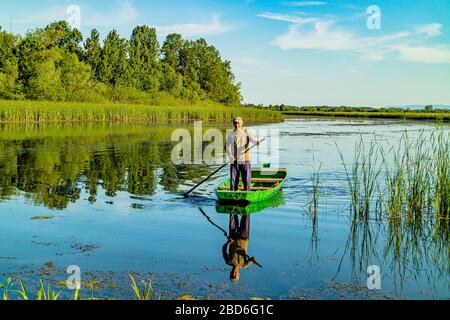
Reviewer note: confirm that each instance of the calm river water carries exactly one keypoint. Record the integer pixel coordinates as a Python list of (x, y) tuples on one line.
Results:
[(110, 196)]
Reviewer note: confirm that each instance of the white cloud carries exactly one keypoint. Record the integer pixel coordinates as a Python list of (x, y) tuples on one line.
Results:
[(424, 54), (430, 30), (318, 38), (325, 34), (213, 27), (286, 17), (305, 3), (122, 14)]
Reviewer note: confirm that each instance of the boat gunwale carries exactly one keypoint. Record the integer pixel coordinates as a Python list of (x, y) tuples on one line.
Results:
[(277, 186), (243, 195)]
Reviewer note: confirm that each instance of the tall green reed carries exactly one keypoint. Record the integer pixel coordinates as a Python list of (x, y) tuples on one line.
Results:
[(413, 187), (6, 288), (144, 293), (315, 194), (411, 176), (43, 293), (441, 148), (313, 213), (362, 178)]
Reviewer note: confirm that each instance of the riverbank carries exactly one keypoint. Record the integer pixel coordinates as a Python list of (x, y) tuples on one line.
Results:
[(24, 111), (406, 115)]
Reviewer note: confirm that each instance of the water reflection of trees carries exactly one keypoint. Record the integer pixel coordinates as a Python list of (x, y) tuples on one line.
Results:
[(53, 171), (408, 251)]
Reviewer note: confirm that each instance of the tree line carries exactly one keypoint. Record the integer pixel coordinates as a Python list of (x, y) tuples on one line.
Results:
[(54, 63), (289, 108)]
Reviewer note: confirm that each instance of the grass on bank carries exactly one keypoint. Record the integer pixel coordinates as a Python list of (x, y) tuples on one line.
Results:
[(44, 111), (8, 290), (408, 115), (43, 293)]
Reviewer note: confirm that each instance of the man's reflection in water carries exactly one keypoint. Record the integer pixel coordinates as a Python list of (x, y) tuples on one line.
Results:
[(237, 245)]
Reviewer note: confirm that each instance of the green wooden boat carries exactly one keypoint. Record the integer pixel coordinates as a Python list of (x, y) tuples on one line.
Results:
[(250, 208), (266, 182)]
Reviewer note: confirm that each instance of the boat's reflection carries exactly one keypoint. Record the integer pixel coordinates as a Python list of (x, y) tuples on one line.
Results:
[(236, 250), (247, 209)]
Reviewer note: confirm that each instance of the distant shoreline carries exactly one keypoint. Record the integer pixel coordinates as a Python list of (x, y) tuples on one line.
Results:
[(405, 115)]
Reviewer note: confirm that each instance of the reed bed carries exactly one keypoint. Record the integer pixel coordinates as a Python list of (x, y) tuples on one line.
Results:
[(406, 182), (42, 112)]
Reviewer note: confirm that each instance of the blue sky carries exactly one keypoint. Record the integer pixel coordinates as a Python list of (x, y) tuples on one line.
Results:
[(292, 52)]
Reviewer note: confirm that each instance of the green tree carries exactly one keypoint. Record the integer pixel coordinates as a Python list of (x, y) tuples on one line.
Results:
[(171, 50), (9, 66), (206, 76), (93, 53), (171, 82), (45, 82), (189, 70), (115, 69), (9, 88), (60, 34), (144, 58), (51, 63), (76, 78), (215, 76), (29, 52)]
